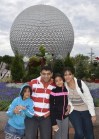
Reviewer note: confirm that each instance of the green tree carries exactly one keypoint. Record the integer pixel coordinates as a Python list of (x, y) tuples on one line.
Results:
[(34, 61), (33, 68), (17, 68), (49, 59), (0, 59), (80, 57), (68, 61), (80, 72), (84, 61), (97, 72), (31, 73), (42, 50), (41, 55), (58, 66), (7, 59)]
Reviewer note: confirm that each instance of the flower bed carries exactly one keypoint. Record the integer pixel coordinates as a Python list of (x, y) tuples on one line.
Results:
[(9, 91), (95, 93), (7, 94)]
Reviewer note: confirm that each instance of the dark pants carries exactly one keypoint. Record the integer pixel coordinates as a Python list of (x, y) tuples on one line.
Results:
[(32, 125), (82, 124), (62, 133)]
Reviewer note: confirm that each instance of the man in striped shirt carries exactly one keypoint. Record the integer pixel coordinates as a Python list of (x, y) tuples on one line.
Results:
[(41, 89)]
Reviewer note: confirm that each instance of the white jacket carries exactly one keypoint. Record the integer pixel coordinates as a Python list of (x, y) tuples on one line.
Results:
[(86, 96)]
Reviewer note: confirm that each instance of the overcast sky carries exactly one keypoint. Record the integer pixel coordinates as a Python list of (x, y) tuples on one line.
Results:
[(83, 14)]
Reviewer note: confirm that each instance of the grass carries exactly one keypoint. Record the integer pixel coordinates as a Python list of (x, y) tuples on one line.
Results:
[(4, 105), (96, 102), (6, 79)]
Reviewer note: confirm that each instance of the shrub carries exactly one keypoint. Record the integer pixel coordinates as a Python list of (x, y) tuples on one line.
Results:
[(96, 102), (4, 105)]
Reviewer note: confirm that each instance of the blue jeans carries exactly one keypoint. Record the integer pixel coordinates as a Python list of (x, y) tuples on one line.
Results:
[(13, 131), (81, 121)]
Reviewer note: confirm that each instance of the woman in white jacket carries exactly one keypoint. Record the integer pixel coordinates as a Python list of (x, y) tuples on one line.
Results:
[(83, 115)]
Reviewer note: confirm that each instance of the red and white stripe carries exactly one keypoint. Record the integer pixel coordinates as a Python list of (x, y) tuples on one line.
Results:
[(40, 96)]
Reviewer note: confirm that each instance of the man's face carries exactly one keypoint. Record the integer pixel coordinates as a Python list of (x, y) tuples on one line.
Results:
[(46, 75)]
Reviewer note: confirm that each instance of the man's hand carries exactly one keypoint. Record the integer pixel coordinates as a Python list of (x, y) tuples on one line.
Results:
[(55, 128), (67, 110)]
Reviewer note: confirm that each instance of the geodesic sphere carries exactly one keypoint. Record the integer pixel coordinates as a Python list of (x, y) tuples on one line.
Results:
[(42, 25)]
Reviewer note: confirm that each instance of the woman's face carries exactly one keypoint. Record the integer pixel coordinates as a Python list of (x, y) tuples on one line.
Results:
[(68, 76), (59, 81)]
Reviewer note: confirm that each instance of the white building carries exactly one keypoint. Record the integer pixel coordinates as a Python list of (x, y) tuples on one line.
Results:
[(3, 71)]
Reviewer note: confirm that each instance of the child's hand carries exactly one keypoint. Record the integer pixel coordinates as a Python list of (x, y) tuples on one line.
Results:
[(18, 109), (68, 110), (22, 107), (55, 128), (93, 118)]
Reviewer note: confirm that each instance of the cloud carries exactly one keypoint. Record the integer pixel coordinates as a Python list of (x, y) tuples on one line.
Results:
[(82, 14), (83, 45), (5, 48)]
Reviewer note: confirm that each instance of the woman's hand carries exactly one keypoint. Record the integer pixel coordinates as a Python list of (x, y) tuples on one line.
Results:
[(93, 118), (68, 110), (55, 128)]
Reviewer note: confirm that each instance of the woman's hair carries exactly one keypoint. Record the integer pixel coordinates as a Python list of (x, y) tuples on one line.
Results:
[(70, 69), (58, 75), (24, 89)]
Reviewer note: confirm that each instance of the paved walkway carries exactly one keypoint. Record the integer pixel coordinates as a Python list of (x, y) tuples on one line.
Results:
[(3, 119), (96, 127)]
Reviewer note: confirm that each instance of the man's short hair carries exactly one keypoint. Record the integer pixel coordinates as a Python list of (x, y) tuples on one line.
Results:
[(46, 68)]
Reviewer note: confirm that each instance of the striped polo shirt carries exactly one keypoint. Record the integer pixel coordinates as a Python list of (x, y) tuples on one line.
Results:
[(40, 96)]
